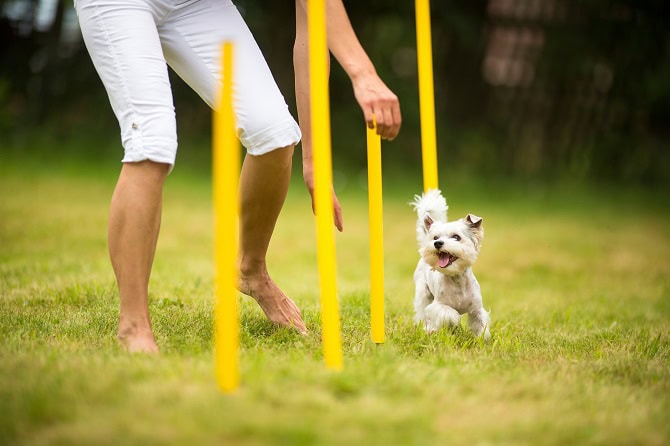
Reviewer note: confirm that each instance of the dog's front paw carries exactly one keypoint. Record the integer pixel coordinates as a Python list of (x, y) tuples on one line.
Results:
[(430, 327), (438, 315)]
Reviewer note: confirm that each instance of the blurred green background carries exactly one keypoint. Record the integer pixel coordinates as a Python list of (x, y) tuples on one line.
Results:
[(543, 89), (552, 121)]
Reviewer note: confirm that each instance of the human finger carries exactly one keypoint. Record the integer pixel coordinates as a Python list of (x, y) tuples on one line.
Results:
[(392, 118), (387, 126), (369, 116), (337, 213), (397, 120)]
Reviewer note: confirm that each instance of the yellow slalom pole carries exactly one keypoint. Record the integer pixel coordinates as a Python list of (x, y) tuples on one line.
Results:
[(225, 174), (323, 180), (376, 222), (424, 50)]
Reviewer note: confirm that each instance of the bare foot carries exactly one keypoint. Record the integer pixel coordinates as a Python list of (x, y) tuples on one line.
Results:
[(134, 340), (275, 304)]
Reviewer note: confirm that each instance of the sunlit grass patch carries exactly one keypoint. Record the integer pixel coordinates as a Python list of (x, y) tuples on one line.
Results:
[(577, 287)]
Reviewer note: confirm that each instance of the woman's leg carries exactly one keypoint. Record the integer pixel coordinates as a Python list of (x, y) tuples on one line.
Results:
[(263, 185), (134, 222), (123, 42), (191, 42)]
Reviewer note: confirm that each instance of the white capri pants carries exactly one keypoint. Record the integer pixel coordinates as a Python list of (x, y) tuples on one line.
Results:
[(131, 42)]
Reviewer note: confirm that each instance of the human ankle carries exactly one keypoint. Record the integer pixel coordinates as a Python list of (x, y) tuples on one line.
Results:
[(252, 269), (129, 327)]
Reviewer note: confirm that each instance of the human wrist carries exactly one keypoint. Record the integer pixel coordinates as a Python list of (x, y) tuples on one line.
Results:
[(357, 70), (307, 164)]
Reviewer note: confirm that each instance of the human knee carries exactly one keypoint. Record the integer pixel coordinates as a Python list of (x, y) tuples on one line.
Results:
[(279, 157), (283, 153), (147, 171)]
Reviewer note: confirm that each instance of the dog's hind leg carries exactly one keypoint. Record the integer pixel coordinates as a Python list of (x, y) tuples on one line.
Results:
[(479, 321)]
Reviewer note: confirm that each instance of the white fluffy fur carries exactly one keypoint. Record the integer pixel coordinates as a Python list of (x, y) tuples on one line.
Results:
[(444, 282)]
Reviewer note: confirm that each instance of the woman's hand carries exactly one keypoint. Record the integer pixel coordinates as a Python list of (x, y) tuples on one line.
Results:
[(308, 175), (378, 101)]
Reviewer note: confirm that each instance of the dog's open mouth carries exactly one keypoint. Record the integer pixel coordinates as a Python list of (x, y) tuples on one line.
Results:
[(444, 259)]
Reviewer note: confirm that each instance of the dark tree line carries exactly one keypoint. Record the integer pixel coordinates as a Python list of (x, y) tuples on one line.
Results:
[(522, 86)]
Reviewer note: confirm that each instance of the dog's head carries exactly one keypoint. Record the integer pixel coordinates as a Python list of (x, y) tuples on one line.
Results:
[(452, 247)]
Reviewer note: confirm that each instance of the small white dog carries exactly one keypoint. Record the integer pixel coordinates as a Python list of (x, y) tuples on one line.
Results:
[(445, 284)]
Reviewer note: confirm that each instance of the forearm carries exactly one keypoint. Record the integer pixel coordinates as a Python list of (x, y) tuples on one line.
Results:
[(343, 43), (301, 72), (376, 100)]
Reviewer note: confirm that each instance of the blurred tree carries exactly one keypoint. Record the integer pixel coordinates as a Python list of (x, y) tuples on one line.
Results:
[(535, 87), (46, 77)]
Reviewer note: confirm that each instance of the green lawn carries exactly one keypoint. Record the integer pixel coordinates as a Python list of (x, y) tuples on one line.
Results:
[(577, 279)]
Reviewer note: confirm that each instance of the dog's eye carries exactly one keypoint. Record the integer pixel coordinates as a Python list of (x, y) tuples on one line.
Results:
[(436, 237), (456, 237)]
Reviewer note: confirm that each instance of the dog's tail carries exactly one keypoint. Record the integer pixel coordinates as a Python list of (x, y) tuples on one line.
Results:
[(430, 206)]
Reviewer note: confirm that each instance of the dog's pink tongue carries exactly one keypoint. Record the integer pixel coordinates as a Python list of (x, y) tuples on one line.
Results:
[(443, 260)]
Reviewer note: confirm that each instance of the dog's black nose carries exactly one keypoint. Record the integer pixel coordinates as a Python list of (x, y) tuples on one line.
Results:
[(438, 244)]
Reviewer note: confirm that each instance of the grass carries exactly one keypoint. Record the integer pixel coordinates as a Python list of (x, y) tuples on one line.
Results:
[(576, 278)]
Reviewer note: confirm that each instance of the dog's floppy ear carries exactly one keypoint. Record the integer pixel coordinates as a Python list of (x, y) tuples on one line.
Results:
[(473, 221), (427, 222)]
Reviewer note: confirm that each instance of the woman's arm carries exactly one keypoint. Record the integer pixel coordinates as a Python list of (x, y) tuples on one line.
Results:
[(372, 95), (301, 69)]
